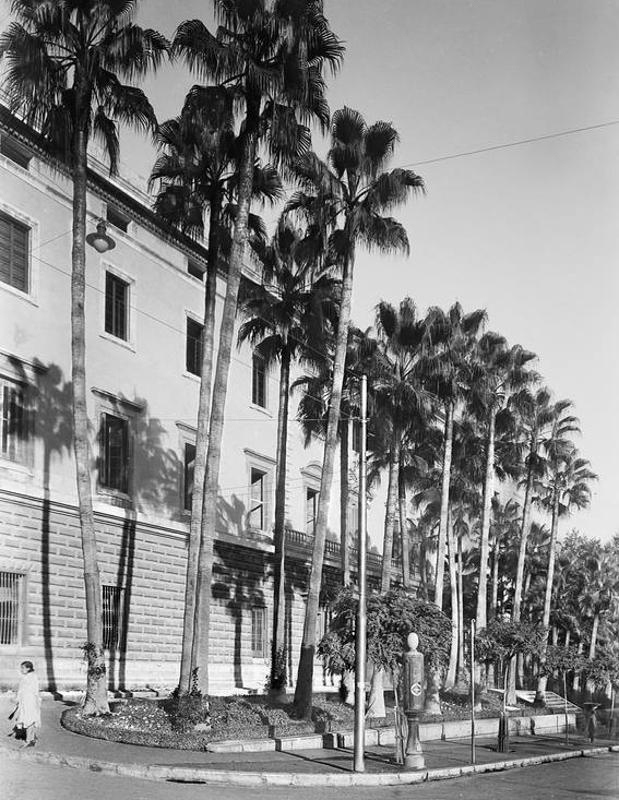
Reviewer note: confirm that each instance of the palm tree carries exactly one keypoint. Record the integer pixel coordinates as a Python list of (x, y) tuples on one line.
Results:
[(547, 428), (452, 336), (499, 370), (197, 174), (568, 487), (350, 191), (285, 321), (64, 65), (271, 55)]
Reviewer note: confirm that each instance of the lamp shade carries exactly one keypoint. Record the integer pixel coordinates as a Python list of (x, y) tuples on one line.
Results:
[(100, 240)]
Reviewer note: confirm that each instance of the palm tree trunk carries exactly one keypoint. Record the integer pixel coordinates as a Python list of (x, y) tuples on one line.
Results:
[(482, 600), (344, 495), (406, 574), (95, 700), (540, 695), (568, 634), (305, 672), (455, 614), (216, 427), (524, 533), (279, 536), (390, 511), (594, 635), (494, 591), (442, 531), (189, 643), (460, 614)]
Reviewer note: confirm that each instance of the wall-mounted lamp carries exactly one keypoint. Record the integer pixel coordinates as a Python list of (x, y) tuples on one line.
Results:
[(100, 240)]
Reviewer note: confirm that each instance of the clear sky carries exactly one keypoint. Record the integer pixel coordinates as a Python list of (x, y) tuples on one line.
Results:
[(527, 232)]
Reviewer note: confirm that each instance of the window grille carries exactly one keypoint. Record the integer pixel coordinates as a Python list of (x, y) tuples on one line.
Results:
[(10, 611), (113, 598), (116, 306), (14, 252), (193, 356), (114, 472), (14, 434), (259, 381), (258, 632)]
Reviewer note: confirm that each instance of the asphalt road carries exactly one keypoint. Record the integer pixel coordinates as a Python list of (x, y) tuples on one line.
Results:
[(589, 778)]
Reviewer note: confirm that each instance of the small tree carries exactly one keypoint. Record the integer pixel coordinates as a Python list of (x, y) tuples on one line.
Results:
[(503, 640)]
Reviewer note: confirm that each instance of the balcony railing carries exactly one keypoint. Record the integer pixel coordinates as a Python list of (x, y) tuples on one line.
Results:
[(305, 541)]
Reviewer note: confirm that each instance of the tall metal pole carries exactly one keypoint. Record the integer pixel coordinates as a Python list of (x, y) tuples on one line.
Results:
[(359, 741)]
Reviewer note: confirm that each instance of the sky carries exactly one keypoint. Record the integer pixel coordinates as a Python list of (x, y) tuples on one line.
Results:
[(528, 232)]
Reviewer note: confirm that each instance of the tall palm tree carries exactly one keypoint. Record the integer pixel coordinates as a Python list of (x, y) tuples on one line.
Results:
[(345, 199), (64, 64), (547, 428), (568, 487), (197, 176), (271, 54), (452, 336), (499, 370), (286, 321)]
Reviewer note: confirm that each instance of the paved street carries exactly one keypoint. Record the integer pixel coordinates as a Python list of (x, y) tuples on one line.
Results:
[(590, 777)]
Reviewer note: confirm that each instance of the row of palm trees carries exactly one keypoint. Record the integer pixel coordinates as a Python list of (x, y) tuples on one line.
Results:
[(454, 408)]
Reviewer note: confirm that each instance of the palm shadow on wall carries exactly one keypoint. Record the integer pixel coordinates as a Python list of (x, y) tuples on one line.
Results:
[(156, 489)]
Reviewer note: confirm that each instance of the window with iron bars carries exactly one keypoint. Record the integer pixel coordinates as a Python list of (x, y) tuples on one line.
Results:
[(11, 584), (113, 606), (259, 632)]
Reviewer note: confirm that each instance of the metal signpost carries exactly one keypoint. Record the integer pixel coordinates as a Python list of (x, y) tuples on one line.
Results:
[(359, 739)]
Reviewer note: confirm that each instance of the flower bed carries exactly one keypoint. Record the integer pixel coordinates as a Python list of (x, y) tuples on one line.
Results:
[(172, 722)]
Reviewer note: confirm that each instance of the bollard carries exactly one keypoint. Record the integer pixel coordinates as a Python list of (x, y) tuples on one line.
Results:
[(414, 682)]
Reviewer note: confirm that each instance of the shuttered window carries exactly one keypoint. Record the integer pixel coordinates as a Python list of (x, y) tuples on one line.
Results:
[(114, 472), (189, 460), (10, 607), (14, 433), (116, 306), (14, 246), (193, 353), (259, 381)]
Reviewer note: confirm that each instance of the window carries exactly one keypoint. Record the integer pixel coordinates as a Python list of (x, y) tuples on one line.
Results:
[(311, 509), (259, 632), (114, 467), (356, 436), (14, 252), (14, 421), (10, 607), (257, 497), (113, 601), (259, 381), (116, 306), (193, 354), (189, 459), (15, 151), (195, 269), (117, 218)]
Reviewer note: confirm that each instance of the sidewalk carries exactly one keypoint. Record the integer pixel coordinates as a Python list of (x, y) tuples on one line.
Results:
[(444, 759)]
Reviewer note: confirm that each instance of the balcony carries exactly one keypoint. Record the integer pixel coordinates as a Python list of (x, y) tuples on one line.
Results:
[(299, 544)]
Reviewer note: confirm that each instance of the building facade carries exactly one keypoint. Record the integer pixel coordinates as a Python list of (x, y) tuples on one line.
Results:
[(144, 306)]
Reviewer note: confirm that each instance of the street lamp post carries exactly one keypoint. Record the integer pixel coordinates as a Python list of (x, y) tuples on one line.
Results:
[(360, 659)]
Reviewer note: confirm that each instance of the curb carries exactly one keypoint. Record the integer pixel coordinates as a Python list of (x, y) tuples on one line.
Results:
[(179, 774)]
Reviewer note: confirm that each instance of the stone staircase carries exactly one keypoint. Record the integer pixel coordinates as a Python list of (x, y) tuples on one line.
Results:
[(554, 701)]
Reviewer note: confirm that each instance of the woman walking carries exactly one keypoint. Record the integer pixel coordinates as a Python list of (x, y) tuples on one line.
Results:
[(28, 708)]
